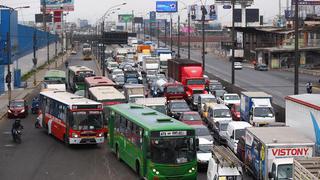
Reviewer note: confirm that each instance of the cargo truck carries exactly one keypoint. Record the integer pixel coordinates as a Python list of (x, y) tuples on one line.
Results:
[(306, 168), (303, 114), (164, 54), (151, 67), (269, 151), (189, 73), (256, 108)]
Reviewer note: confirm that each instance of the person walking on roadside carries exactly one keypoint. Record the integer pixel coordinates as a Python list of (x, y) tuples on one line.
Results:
[(66, 63), (309, 87)]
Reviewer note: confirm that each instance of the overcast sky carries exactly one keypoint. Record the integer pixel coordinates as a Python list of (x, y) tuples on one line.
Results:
[(93, 9)]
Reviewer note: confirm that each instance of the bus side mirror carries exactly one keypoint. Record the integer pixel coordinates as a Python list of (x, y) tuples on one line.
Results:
[(197, 144)]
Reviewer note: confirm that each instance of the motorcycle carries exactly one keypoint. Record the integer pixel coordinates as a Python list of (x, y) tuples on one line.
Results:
[(17, 135), (35, 106), (37, 124)]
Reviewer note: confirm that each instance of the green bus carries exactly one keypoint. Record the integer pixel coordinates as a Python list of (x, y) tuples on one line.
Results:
[(55, 77), (75, 77), (154, 145)]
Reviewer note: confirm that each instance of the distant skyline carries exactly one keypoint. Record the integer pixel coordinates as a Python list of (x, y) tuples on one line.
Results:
[(94, 9)]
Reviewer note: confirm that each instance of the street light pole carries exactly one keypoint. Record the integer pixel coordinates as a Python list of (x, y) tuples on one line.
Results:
[(158, 33), (35, 58), (171, 40), (233, 44), (103, 51), (165, 33), (188, 35), (178, 36), (203, 40), (296, 48)]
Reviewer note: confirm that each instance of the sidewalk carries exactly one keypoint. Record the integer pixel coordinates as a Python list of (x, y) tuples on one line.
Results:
[(22, 93)]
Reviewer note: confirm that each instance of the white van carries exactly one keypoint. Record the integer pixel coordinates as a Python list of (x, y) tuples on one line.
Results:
[(218, 112), (235, 130)]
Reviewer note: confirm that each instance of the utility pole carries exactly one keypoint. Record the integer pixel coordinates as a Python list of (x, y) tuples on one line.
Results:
[(203, 38), (56, 50), (188, 35), (171, 40), (296, 47), (165, 33), (34, 60), (9, 75), (44, 19), (233, 44), (144, 31), (103, 50), (150, 30), (158, 33), (178, 36)]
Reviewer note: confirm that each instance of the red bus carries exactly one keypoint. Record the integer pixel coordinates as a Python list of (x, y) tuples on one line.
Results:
[(107, 95), (95, 81), (71, 118)]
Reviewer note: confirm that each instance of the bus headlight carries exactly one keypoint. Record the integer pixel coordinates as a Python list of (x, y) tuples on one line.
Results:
[(74, 135), (100, 134), (155, 171)]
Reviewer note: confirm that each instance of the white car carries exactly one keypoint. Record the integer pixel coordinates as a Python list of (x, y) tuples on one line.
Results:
[(237, 65), (229, 99), (115, 73), (73, 52), (204, 152)]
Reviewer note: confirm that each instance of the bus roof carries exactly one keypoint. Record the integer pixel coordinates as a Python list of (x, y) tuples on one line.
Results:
[(106, 93), (151, 101), (68, 98), (98, 81), (148, 118), (79, 68), (55, 73)]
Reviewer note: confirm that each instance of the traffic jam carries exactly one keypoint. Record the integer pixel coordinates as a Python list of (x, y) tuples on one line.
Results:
[(166, 119)]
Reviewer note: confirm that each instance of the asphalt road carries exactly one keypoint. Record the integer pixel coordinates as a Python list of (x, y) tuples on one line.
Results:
[(277, 83), (43, 157)]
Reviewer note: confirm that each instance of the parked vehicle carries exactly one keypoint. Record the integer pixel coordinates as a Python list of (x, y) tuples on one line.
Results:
[(174, 91), (224, 165), (303, 114), (134, 91), (235, 112), (203, 132), (176, 107), (191, 118), (274, 148), (261, 67), (204, 152), (228, 99), (256, 108), (17, 108), (158, 103), (235, 130), (203, 99), (306, 168), (189, 73)]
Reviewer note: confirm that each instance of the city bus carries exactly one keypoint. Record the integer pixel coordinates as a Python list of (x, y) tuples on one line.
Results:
[(75, 77), (96, 81), (107, 95), (154, 145), (71, 118), (54, 80)]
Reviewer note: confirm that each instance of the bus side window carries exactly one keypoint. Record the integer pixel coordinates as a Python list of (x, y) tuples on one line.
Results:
[(117, 122), (123, 124), (128, 132)]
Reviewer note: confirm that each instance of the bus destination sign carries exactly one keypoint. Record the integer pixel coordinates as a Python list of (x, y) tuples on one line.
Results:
[(173, 133)]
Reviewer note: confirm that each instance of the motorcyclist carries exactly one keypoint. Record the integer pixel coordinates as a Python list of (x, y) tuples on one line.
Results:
[(35, 105), (309, 87), (16, 126)]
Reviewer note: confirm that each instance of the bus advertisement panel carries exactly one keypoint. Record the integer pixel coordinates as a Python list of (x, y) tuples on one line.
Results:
[(76, 76), (152, 143), (71, 118)]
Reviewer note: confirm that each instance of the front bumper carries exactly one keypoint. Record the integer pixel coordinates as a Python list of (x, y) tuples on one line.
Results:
[(97, 140)]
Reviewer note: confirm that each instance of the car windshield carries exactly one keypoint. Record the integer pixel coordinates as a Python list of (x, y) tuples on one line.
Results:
[(223, 126), (239, 133), (179, 105), (202, 131), (285, 171), (209, 100), (191, 117), (17, 104), (195, 82), (173, 150), (232, 97), (219, 93), (222, 113), (159, 108), (86, 120), (263, 112), (175, 89), (205, 148), (117, 72), (132, 81)]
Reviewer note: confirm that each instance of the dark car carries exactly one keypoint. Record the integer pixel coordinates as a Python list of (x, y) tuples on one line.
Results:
[(176, 107), (261, 67), (191, 118), (203, 131), (18, 108)]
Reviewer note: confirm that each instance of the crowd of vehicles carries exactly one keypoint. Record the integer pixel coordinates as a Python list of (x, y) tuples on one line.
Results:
[(160, 112)]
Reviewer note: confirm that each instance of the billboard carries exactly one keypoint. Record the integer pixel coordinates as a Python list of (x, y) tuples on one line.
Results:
[(166, 6), (125, 18), (252, 15), (246, 2), (138, 20), (115, 37), (39, 18), (57, 16), (306, 2), (52, 5), (196, 11)]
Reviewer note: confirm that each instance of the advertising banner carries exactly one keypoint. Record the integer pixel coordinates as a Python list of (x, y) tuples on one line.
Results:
[(166, 6), (138, 20), (306, 2), (125, 18), (57, 16), (39, 18), (52, 5), (209, 11)]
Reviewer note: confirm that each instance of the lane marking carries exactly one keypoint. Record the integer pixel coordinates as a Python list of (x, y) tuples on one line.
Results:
[(7, 132), (9, 145)]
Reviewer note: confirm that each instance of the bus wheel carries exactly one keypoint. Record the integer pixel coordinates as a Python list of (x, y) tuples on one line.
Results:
[(65, 139), (118, 153)]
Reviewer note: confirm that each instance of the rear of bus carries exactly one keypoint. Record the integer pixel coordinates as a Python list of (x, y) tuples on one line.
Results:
[(86, 124), (79, 77), (172, 155)]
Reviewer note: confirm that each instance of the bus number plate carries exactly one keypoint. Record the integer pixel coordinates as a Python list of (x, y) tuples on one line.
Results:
[(173, 133)]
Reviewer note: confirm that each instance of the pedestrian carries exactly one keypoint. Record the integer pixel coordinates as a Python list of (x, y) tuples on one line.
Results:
[(66, 63), (309, 87)]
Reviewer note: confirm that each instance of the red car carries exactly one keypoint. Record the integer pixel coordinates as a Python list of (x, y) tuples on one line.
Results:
[(235, 112), (18, 108), (191, 118)]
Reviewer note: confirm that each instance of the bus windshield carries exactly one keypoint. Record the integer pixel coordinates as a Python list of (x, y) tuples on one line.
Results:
[(86, 120), (80, 78), (173, 150)]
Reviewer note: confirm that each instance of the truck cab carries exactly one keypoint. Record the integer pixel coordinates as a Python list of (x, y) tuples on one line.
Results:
[(134, 91), (235, 130), (281, 169), (261, 112), (174, 91)]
